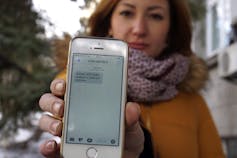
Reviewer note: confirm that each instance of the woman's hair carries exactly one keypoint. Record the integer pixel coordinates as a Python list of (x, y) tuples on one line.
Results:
[(179, 37), (180, 33), (99, 21)]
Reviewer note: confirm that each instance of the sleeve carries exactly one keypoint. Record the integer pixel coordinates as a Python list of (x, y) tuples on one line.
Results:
[(148, 147), (208, 138), (62, 74)]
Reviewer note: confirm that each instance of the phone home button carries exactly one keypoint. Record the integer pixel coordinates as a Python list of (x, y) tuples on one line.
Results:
[(91, 152)]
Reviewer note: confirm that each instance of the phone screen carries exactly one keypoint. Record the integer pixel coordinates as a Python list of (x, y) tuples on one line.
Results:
[(95, 100)]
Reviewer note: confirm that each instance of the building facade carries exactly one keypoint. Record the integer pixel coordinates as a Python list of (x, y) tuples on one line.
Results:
[(221, 92)]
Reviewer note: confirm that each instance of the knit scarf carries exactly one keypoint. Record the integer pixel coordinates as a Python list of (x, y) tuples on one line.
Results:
[(152, 80)]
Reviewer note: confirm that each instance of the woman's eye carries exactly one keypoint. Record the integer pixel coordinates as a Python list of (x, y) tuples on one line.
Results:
[(156, 16), (126, 13)]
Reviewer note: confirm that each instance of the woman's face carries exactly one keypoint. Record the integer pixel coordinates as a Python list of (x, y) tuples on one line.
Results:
[(143, 24)]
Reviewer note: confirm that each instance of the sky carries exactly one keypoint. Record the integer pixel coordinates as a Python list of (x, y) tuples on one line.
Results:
[(64, 14)]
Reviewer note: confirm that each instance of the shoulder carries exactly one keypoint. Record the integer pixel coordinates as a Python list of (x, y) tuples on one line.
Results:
[(184, 99), (186, 109), (184, 105), (197, 101), (192, 98), (190, 101)]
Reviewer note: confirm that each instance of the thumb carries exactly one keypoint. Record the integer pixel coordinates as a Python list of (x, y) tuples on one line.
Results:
[(132, 114), (134, 137)]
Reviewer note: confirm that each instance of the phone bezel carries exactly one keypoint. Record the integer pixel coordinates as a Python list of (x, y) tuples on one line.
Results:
[(107, 46)]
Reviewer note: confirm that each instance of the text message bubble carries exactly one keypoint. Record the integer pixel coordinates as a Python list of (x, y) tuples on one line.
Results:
[(88, 77)]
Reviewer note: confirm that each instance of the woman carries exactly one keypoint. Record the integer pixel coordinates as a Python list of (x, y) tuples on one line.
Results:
[(164, 78)]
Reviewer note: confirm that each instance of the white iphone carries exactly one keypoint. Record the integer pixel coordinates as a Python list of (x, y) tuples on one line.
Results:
[(95, 98)]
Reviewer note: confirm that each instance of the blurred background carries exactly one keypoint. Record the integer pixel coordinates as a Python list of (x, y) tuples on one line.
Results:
[(34, 37)]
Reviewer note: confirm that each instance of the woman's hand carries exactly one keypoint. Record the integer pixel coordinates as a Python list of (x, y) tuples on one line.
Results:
[(52, 103)]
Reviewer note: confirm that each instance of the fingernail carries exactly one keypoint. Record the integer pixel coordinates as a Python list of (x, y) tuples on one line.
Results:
[(56, 108), (59, 86), (137, 108), (50, 145), (54, 127)]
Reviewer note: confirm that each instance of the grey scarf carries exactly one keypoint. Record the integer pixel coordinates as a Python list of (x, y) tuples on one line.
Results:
[(151, 80)]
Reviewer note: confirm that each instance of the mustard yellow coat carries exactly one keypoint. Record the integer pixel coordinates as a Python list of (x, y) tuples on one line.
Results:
[(182, 128)]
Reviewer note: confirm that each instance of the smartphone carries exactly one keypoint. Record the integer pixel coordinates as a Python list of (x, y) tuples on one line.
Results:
[(95, 98)]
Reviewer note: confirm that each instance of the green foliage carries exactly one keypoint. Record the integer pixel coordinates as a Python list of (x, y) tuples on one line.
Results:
[(197, 9), (26, 68)]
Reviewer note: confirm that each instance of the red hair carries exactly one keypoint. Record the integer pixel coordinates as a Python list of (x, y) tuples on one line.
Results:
[(180, 33)]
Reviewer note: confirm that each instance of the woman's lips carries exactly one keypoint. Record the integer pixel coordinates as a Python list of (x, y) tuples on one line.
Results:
[(140, 46)]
